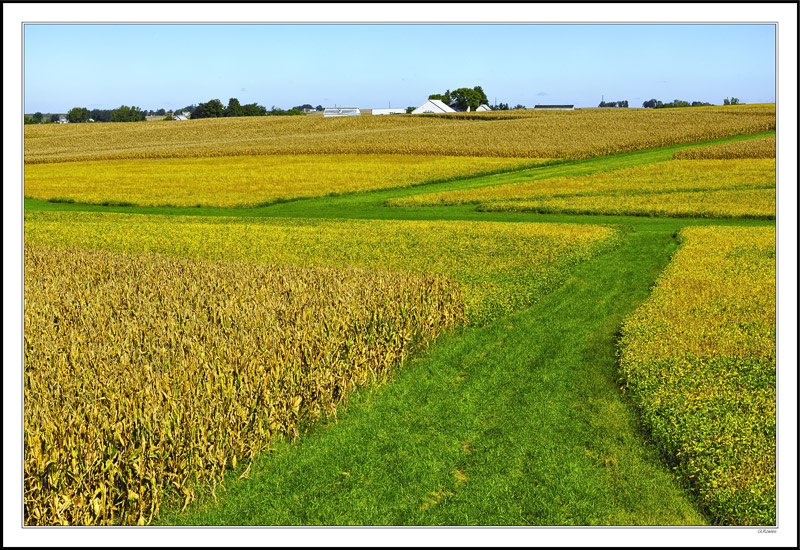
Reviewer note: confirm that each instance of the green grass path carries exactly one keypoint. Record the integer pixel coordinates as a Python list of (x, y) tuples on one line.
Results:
[(518, 423)]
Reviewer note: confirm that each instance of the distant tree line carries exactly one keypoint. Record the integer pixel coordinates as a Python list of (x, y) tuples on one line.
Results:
[(656, 104), (210, 109), (623, 103), (215, 109), (37, 118)]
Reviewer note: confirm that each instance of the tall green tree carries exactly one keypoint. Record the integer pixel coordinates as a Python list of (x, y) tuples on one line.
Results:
[(78, 114), (210, 109), (464, 98), (483, 99), (100, 115), (38, 116), (253, 109), (233, 108), (127, 114)]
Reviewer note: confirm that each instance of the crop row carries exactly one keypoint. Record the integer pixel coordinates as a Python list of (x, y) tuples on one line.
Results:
[(145, 373), (725, 203), (502, 267), (704, 188), (698, 358), (242, 180), (657, 177), (761, 148), (561, 134)]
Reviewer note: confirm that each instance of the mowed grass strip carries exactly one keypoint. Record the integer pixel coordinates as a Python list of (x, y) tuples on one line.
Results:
[(698, 358), (146, 373), (501, 267), (244, 181), (516, 423)]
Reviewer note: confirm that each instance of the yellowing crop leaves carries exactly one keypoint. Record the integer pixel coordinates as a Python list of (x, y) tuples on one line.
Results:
[(763, 148), (740, 203), (501, 266), (657, 177), (699, 359), (144, 372), (701, 188), (243, 180)]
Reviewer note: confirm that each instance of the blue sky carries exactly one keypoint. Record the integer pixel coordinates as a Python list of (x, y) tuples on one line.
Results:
[(171, 66)]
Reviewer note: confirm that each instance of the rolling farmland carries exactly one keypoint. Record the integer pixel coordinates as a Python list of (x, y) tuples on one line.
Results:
[(243, 181), (200, 295)]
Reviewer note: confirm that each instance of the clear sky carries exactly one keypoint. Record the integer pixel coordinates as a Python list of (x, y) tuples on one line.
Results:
[(371, 65)]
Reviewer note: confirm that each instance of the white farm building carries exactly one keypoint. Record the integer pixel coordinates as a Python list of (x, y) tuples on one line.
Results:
[(555, 107), (433, 106), (342, 111), (388, 111), (438, 106)]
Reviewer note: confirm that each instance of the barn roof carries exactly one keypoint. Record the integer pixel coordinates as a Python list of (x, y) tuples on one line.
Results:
[(435, 106)]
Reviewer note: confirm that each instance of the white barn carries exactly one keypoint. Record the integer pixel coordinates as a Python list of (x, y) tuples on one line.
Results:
[(439, 106), (388, 111), (342, 111), (433, 106)]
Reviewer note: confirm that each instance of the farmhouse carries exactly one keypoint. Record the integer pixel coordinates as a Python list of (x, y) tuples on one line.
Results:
[(483, 107), (180, 117), (341, 111), (556, 107), (388, 111)]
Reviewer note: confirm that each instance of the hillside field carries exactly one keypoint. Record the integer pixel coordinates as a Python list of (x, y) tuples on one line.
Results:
[(517, 318)]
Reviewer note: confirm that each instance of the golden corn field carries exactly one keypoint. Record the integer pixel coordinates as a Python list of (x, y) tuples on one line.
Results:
[(528, 258), (699, 360), (573, 134), (657, 177), (244, 180), (762, 148), (743, 203), (145, 372)]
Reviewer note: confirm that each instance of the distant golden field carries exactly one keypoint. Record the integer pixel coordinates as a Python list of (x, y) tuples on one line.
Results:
[(242, 180), (762, 148), (561, 134)]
